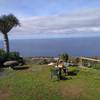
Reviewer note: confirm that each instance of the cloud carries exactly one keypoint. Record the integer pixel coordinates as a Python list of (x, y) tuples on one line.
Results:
[(77, 23)]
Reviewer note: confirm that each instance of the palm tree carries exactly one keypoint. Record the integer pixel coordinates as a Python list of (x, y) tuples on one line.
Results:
[(7, 22)]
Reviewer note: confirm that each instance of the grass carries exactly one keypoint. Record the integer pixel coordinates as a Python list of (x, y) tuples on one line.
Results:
[(35, 84)]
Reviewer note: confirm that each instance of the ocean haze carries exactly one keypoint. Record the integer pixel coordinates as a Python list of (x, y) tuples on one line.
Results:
[(54, 47)]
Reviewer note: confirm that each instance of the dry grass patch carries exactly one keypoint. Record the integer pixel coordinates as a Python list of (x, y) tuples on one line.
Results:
[(4, 94), (72, 91)]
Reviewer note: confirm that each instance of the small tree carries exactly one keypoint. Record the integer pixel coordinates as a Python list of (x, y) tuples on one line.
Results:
[(77, 60), (64, 57), (7, 22)]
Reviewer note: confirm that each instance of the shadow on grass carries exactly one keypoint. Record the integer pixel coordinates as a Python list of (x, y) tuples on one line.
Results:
[(20, 68), (73, 73), (69, 75), (65, 78)]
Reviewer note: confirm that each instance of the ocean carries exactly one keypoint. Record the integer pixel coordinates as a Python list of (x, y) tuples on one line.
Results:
[(54, 47)]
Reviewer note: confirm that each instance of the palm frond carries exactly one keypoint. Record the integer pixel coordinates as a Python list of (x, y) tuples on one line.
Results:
[(7, 22)]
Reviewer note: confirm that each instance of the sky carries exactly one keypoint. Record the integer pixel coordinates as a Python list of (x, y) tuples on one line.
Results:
[(53, 18)]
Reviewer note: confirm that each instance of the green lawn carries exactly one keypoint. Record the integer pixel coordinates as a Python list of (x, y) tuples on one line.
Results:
[(35, 84)]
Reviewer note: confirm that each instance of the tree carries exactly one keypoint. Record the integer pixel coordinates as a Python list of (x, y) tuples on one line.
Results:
[(77, 60), (64, 57), (7, 22)]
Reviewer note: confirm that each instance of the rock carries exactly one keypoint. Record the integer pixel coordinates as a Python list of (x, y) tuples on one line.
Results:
[(10, 63)]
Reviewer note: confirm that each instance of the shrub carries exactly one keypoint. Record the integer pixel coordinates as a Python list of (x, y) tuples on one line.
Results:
[(2, 57), (64, 57), (10, 56), (77, 61)]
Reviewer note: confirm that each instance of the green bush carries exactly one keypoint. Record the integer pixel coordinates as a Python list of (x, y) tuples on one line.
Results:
[(2, 57), (10, 56), (64, 57)]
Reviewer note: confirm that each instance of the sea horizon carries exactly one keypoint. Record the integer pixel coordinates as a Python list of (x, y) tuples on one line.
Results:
[(84, 46)]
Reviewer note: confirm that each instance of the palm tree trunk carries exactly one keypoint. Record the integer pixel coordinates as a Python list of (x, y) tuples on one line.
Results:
[(6, 43)]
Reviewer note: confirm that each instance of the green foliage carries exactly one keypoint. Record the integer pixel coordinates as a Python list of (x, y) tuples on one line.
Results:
[(2, 51), (7, 22), (95, 66), (10, 56), (64, 57), (73, 71), (2, 57)]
